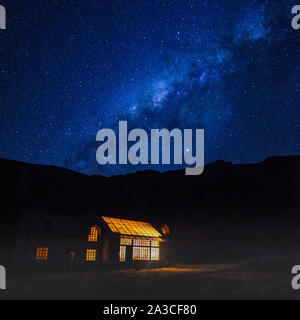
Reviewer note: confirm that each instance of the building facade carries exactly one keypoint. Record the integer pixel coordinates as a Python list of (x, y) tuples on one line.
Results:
[(128, 241), (60, 243)]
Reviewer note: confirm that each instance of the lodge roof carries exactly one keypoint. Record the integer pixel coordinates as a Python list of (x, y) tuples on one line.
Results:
[(62, 223), (130, 227)]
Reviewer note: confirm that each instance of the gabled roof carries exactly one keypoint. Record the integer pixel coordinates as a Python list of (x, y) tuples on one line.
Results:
[(130, 227), (62, 223)]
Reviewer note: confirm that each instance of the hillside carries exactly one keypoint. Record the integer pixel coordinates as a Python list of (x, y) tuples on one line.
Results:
[(271, 185)]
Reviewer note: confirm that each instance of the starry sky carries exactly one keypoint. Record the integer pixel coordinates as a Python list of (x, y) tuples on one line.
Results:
[(70, 68)]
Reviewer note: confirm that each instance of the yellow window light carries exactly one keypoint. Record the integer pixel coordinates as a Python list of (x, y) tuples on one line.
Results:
[(141, 242), (126, 241), (90, 255), (122, 253), (154, 253), (93, 236), (165, 230), (141, 253), (154, 243), (41, 254)]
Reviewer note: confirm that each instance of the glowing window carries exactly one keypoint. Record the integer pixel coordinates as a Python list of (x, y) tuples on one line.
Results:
[(93, 236), (126, 241), (154, 243), (154, 253), (141, 242), (122, 253), (90, 255), (141, 253), (165, 230), (41, 254)]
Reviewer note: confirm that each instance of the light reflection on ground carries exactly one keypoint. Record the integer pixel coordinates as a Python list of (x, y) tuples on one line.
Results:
[(259, 279), (184, 268)]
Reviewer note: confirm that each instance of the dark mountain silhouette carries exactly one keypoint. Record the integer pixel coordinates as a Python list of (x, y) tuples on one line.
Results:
[(223, 187)]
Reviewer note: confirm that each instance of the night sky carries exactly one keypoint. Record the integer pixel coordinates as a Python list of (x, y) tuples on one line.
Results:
[(70, 68)]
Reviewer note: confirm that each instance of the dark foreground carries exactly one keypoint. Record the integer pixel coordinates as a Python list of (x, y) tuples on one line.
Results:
[(234, 229), (261, 278)]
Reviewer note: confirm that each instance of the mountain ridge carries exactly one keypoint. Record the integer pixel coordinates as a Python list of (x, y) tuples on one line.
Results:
[(222, 186)]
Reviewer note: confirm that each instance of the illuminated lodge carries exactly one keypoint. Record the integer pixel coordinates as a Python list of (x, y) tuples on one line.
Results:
[(128, 240), (58, 243)]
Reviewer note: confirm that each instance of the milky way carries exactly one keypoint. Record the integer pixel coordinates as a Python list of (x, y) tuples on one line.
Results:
[(71, 68)]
